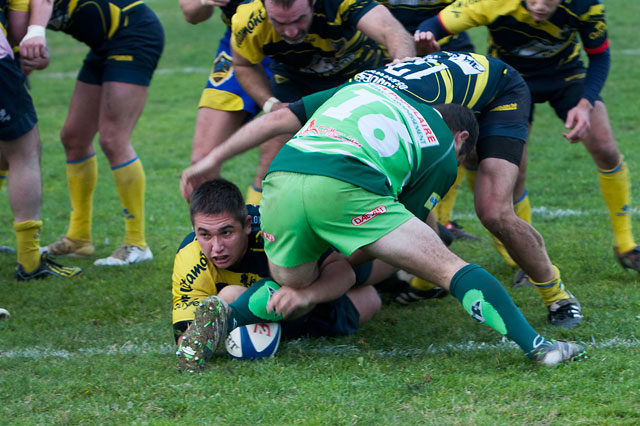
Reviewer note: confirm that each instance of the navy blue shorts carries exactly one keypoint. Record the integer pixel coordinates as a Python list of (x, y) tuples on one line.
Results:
[(17, 114), (504, 124), (335, 318), (131, 55), (563, 90)]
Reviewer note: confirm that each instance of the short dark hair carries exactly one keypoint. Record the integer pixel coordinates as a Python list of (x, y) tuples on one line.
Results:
[(218, 196), (459, 118)]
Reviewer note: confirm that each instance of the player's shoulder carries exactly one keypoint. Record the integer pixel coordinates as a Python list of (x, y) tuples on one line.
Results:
[(250, 26), (188, 240), (583, 8)]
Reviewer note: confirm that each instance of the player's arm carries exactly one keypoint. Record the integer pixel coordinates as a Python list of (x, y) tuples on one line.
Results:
[(596, 45), (196, 11), (454, 19), (34, 44), (336, 278), (254, 82), (252, 134), (380, 25)]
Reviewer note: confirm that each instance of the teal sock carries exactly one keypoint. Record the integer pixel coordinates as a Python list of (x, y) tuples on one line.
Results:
[(251, 306), (484, 298)]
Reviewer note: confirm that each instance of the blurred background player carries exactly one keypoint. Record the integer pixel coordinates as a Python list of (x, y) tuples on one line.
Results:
[(126, 40), (225, 257), (20, 146), (541, 39), (223, 106)]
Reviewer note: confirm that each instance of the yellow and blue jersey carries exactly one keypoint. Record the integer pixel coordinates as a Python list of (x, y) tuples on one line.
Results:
[(467, 79), (412, 12), (333, 47), (532, 47), (91, 21), (196, 277)]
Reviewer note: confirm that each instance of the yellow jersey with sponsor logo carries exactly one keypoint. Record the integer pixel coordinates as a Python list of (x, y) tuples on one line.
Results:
[(333, 46), (195, 277), (533, 47)]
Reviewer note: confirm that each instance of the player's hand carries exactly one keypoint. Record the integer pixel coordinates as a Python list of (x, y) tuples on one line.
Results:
[(425, 43), (192, 177), (579, 121), (288, 300), (29, 64)]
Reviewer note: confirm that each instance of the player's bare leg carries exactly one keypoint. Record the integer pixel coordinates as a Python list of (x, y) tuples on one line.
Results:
[(416, 248), (78, 131), (493, 199), (615, 185), (120, 107)]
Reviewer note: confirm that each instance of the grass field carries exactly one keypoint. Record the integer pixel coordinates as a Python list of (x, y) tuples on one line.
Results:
[(99, 349)]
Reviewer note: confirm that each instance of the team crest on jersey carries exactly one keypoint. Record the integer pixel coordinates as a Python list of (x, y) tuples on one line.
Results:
[(222, 70)]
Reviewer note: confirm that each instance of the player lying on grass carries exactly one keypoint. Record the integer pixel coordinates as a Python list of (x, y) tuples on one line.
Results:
[(225, 256), (362, 175)]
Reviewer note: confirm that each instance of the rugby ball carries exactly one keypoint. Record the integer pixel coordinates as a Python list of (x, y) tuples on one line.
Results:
[(253, 341)]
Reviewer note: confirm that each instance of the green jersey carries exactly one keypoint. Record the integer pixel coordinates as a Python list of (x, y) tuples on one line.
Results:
[(378, 139)]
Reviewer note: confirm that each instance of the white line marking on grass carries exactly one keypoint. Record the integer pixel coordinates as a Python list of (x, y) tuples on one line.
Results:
[(631, 52), (545, 212), (163, 71), (302, 344)]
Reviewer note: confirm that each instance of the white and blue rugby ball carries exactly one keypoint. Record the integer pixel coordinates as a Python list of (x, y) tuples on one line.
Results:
[(253, 341)]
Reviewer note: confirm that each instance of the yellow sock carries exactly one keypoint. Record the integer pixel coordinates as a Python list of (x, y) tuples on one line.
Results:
[(254, 196), (28, 241), (3, 177), (552, 290), (130, 183), (82, 176), (445, 206), (471, 175), (615, 187), (522, 207), (421, 284)]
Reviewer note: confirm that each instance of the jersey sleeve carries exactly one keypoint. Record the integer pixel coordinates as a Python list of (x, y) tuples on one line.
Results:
[(250, 29), (305, 107), (351, 11), (193, 279), (19, 5), (464, 14)]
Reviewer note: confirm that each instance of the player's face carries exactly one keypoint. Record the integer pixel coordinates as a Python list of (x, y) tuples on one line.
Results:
[(293, 23), (541, 10), (222, 238)]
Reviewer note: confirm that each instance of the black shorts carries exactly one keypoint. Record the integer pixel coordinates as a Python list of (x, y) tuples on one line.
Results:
[(131, 55), (562, 90), (335, 318), (17, 114), (504, 124), (289, 86)]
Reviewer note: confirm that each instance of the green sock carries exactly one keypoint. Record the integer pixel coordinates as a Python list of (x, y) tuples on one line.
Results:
[(251, 306), (484, 298)]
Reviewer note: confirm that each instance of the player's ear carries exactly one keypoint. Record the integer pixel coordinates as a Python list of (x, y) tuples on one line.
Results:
[(247, 224), (460, 138)]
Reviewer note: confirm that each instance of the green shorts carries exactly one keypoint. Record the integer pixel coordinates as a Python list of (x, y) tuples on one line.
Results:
[(304, 215)]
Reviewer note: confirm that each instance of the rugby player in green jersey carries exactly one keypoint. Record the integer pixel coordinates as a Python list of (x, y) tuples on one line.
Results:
[(361, 175), (542, 40)]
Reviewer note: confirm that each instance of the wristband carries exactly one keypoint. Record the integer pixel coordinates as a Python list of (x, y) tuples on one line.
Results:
[(266, 107), (33, 31)]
